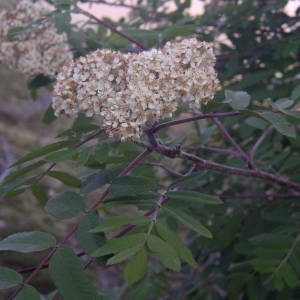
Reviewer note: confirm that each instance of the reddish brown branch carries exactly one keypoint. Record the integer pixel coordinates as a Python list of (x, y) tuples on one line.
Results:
[(215, 149), (206, 164), (232, 141), (258, 195), (45, 266), (201, 117), (259, 142)]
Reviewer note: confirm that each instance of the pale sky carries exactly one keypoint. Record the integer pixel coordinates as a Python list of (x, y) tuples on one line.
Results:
[(197, 8)]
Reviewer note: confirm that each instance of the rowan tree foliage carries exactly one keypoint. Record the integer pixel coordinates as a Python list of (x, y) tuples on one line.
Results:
[(202, 203)]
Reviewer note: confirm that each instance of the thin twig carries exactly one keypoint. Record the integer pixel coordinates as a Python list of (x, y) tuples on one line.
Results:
[(167, 169), (45, 266), (259, 142), (113, 4), (159, 203), (110, 27), (258, 195), (130, 226), (232, 141), (214, 149), (88, 263), (201, 117), (238, 171), (206, 164)]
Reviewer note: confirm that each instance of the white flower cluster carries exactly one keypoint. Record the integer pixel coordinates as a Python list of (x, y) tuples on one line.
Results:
[(128, 90), (38, 50)]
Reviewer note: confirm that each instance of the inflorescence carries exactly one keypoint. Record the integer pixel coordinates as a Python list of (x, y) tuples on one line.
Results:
[(129, 90), (38, 49)]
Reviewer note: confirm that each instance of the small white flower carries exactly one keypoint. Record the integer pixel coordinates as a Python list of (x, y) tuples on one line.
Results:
[(148, 85)]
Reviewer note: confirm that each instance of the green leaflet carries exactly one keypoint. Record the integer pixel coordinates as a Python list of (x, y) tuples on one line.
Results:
[(39, 193), (194, 197), (88, 241), (127, 186), (164, 252), (65, 178), (24, 171), (114, 223), (119, 244), (67, 272), (136, 268), (9, 278), (60, 155), (44, 150), (173, 240), (28, 293), (188, 221), (289, 275), (123, 255), (280, 123), (65, 205), (237, 100), (26, 242)]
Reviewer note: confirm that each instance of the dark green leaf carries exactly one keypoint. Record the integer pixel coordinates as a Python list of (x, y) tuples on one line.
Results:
[(272, 240), (289, 275), (113, 223), (188, 221), (44, 150), (94, 181), (62, 21), (291, 113), (52, 295), (60, 155), (136, 268), (237, 100), (83, 156), (294, 260), (188, 180), (277, 280), (173, 240), (67, 272), (9, 278), (28, 293), (38, 82), (256, 123), (26, 242), (88, 241), (280, 123), (283, 103), (119, 244), (131, 186), (49, 115), (164, 252), (9, 189), (123, 255), (39, 193), (102, 152), (194, 197), (65, 178), (24, 171), (65, 205), (296, 93), (265, 265)]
